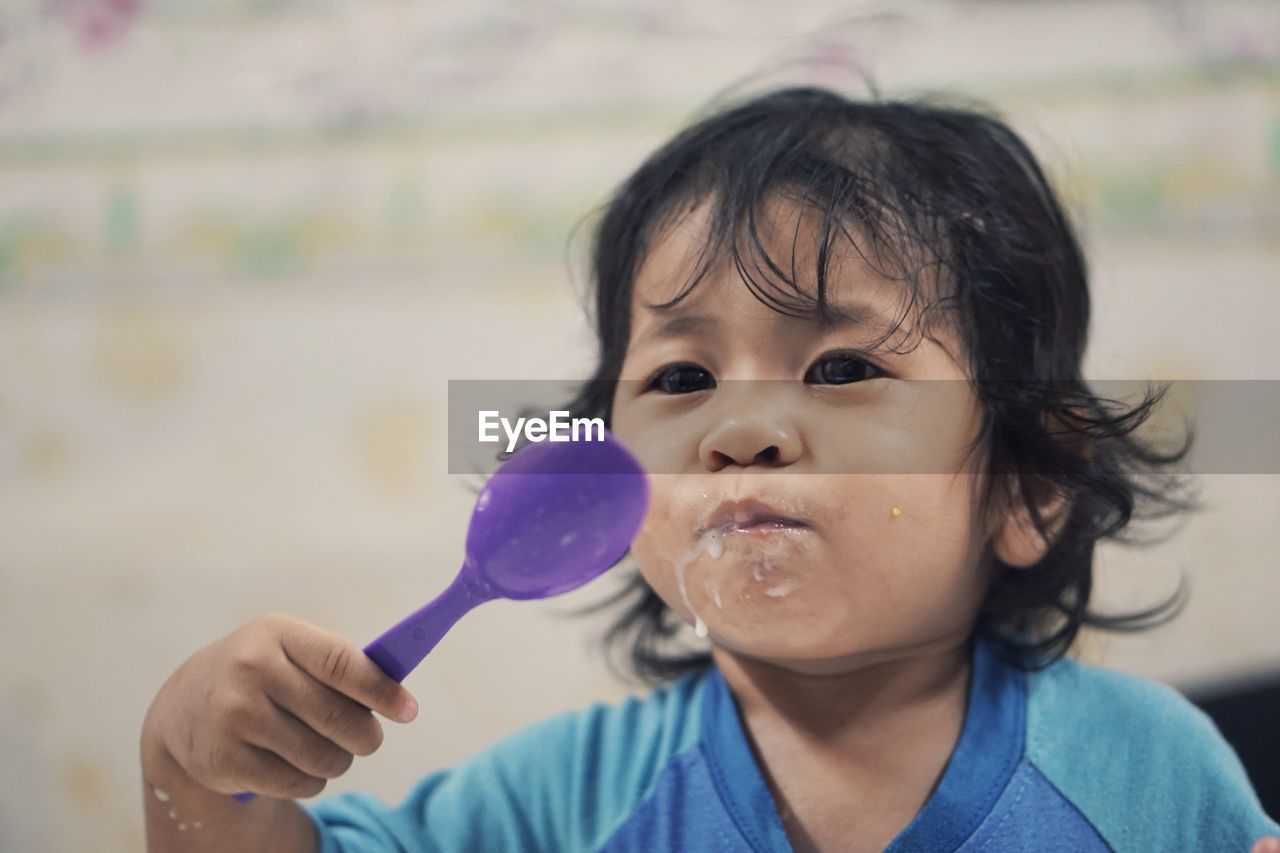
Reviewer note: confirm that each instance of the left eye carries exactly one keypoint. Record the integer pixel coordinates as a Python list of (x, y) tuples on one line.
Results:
[(840, 369)]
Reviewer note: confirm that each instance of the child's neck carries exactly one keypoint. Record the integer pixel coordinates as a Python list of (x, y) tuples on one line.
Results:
[(852, 756), (860, 698)]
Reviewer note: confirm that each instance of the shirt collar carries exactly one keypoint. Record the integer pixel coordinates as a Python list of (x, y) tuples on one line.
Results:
[(983, 761)]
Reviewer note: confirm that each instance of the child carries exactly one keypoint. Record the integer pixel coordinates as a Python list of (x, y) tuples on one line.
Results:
[(889, 558)]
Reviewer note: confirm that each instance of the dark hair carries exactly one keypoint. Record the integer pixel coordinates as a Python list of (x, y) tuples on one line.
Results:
[(931, 188)]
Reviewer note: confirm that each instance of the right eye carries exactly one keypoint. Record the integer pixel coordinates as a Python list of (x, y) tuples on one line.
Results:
[(680, 379)]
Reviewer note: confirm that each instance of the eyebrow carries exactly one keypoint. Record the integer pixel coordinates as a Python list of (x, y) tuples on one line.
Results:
[(683, 326), (690, 325)]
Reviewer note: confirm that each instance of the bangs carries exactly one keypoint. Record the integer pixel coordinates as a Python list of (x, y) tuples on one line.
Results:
[(829, 190)]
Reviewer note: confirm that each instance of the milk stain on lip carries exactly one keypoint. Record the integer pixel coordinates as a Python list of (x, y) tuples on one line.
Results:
[(764, 527), (712, 543)]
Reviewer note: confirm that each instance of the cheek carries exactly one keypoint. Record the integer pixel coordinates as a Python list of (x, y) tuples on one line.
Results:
[(665, 444), (943, 504), (649, 548), (667, 535), (923, 548)]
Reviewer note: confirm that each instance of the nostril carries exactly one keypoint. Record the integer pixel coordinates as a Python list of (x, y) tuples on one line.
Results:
[(718, 460)]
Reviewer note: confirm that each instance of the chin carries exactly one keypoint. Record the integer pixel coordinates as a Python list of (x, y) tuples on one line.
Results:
[(778, 637)]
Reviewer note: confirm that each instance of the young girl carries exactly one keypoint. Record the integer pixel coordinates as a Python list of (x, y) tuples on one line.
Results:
[(846, 340)]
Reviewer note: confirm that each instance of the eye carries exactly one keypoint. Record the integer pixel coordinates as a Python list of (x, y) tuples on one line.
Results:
[(680, 379), (840, 369)]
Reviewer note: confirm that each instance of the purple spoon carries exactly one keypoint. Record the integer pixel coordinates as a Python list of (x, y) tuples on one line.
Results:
[(553, 517)]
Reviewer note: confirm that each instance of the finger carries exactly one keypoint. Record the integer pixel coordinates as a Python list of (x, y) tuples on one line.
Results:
[(252, 768), (342, 721), (285, 735), (1267, 844), (332, 660)]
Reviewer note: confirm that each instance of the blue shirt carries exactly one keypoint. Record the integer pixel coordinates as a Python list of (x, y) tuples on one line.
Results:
[(1070, 758)]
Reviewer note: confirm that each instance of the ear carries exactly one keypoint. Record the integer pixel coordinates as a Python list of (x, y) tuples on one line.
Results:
[(1015, 541)]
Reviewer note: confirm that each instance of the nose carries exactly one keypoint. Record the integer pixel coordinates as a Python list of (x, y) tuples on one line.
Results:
[(755, 434)]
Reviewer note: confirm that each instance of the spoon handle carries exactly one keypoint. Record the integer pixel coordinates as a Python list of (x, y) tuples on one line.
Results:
[(405, 644)]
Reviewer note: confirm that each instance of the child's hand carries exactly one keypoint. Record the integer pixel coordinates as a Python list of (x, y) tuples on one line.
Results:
[(1267, 844), (276, 707)]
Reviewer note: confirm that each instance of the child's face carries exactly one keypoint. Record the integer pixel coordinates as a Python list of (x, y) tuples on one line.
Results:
[(885, 561)]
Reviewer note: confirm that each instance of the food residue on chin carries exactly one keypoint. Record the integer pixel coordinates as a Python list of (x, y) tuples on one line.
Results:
[(781, 589), (712, 543)]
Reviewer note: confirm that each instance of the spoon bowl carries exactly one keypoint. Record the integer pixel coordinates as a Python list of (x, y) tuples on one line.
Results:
[(553, 517)]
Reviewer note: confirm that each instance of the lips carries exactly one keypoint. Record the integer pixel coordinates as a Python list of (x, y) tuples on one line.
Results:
[(751, 514)]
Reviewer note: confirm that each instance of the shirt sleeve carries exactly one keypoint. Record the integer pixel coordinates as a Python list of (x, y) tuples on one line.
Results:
[(1145, 766), (565, 783), (508, 797)]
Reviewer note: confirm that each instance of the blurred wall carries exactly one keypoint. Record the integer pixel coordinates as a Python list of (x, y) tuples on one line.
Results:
[(244, 245)]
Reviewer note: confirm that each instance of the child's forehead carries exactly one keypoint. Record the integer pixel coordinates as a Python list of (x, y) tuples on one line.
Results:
[(784, 252)]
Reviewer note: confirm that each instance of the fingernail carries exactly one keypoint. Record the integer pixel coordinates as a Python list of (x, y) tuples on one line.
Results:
[(408, 710)]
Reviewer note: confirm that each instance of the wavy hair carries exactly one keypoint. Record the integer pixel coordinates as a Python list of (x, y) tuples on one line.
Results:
[(932, 191)]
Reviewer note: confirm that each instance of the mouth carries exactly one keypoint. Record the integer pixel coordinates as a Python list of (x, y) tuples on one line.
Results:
[(752, 517)]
